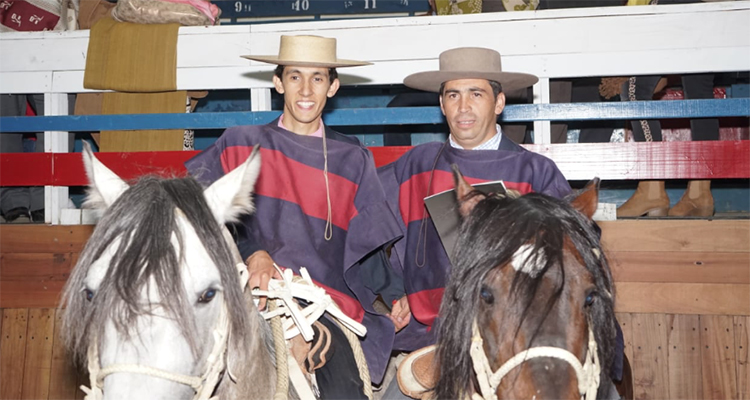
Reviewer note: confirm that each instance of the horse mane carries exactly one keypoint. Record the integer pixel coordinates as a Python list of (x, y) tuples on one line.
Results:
[(488, 239), (143, 218)]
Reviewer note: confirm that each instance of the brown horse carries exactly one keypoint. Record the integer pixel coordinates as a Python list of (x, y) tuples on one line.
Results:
[(529, 308)]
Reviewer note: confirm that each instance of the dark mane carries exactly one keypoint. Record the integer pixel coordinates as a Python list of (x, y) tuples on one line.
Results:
[(143, 217), (488, 239)]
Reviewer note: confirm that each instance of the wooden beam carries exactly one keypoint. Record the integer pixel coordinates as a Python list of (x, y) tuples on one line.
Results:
[(34, 294), (63, 383), (676, 235), (39, 339), (741, 344), (676, 266), (625, 320), (683, 298), (35, 266), (684, 348), (58, 239), (718, 358), (33, 279), (650, 363), (13, 352)]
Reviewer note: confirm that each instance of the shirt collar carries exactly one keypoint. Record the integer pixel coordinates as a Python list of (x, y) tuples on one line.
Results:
[(492, 144), (317, 133)]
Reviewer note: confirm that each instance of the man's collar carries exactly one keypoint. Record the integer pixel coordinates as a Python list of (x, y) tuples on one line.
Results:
[(317, 133), (492, 144)]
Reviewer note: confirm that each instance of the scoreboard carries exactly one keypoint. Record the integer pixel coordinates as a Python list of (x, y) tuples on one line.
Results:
[(234, 9)]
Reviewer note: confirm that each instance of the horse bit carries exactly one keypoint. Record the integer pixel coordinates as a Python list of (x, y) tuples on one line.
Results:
[(587, 374)]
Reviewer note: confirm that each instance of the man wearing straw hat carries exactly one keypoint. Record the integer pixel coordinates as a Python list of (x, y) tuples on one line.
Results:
[(319, 205), (470, 83)]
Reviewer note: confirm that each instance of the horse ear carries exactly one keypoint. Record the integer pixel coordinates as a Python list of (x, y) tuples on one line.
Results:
[(465, 194), (230, 196), (104, 185), (587, 199)]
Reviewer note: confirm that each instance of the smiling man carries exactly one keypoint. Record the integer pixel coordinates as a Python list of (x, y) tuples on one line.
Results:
[(470, 83), (319, 205)]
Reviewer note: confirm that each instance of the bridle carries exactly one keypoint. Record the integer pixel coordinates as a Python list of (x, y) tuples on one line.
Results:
[(203, 385), (587, 374)]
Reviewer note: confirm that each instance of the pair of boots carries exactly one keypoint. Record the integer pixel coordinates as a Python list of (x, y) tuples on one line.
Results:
[(651, 199)]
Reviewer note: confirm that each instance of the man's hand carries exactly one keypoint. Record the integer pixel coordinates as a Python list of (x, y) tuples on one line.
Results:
[(260, 270), (400, 313)]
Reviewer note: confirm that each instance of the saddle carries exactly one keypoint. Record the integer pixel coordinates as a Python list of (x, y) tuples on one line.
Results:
[(418, 373)]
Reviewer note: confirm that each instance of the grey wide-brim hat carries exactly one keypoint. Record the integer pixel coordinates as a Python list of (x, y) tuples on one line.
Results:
[(308, 51), (469, 63)]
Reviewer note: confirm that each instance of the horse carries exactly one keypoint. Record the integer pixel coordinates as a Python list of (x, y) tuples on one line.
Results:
[(154, 305), (528, 311)]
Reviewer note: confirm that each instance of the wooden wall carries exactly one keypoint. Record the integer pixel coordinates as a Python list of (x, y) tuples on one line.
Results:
[(683, 302), (35, 262), (33, 360)]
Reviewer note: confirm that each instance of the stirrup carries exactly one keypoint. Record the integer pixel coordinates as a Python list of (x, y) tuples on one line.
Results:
[(417, 373)]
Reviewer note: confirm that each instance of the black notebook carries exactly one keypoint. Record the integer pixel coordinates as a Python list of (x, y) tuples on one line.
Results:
[(443, 209)]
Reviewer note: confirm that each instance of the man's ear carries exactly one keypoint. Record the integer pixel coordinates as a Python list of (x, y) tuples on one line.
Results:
[(587, 198), (441, 103), (467, 197), (333, 88), (499, 103), (278, 84)]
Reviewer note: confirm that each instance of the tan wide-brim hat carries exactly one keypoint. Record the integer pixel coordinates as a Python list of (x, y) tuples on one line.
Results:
[(308, 51), (469, 63)]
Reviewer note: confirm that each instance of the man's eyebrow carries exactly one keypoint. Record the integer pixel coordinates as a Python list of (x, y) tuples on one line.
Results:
[(471, 89), (297, 71)]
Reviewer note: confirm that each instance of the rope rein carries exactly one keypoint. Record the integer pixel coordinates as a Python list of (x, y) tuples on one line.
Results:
[(587, 374), (292, 320), (282, 369)]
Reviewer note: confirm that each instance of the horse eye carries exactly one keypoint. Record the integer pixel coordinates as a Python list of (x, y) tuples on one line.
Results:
[(88, 294), (590, 298), (207, 296), (486, 295)]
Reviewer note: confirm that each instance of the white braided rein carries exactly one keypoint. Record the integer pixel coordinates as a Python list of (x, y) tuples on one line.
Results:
[(587, 373)]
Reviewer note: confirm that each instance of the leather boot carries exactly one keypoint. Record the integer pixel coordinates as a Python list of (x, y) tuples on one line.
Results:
[(696, 202), (649, 198)]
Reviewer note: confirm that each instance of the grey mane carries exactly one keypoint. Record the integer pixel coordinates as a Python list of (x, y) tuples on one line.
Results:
[(144, 218)]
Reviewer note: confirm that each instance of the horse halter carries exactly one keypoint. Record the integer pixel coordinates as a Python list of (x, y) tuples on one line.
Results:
[(203, 385), (587, 374)]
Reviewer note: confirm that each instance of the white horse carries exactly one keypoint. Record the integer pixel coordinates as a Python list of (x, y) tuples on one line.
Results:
[(154, 305)]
